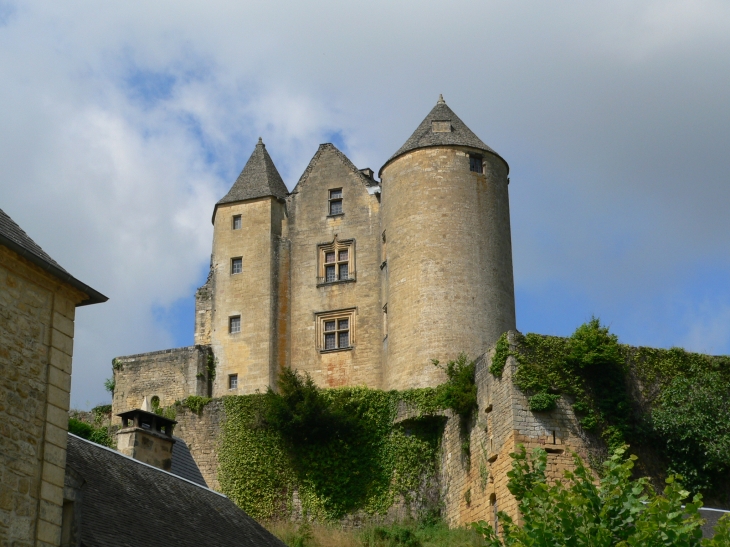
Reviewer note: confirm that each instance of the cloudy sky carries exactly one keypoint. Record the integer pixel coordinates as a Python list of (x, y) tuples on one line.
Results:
[(121, 124)]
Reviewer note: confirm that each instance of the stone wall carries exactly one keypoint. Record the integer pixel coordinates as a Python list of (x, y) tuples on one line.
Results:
[(36, 344), (201, 433), (171, 375)]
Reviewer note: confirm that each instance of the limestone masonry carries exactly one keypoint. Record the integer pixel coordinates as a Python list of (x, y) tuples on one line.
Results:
[(355, 281)]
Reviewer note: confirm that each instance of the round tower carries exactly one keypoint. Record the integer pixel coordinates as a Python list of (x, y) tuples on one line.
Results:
[(447, 250)]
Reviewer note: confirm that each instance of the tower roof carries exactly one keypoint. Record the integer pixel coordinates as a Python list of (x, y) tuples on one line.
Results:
[(258, 179), (442, 127)]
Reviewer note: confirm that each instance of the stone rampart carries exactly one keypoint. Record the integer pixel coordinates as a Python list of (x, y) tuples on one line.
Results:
[(201, 433), (171, 375)]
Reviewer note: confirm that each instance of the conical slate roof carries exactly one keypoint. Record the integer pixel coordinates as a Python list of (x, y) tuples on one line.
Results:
[(258, 179), (453, 132)]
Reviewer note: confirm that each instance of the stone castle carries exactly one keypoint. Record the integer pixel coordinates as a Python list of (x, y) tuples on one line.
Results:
[(350, 279), (360, 282)]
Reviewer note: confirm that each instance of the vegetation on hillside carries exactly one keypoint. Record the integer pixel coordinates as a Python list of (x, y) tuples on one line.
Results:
[(618, 511)]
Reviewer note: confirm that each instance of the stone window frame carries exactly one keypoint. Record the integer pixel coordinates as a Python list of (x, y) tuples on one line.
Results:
[(336, 246), (233, 381), (234, 324), (236, 222), (236, 261), (335, 198), (335, 315), (476, 164)]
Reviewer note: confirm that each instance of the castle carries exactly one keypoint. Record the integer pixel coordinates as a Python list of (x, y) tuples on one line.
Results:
[(350, 279)]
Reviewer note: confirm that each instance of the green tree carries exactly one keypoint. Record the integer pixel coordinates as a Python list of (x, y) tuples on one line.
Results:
[(616, 511)]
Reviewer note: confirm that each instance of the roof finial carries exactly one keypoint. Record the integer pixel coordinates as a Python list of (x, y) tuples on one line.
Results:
[(261, 141), (441, 99)]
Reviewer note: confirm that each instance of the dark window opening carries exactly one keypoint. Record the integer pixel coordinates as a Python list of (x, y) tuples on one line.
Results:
[(234, 324), (335, 202), (237, 222), (233, 381), (236, 265), (476, 164)]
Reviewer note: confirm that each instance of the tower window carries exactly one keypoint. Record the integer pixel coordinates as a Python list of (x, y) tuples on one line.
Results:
[(233, 381), (236, 222), (234, 324), (335, 330), (236, 265), (475, 164), (336, 262), (335, 202)]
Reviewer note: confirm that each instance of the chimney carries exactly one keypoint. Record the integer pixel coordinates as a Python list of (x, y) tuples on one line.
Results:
[(147, 437)]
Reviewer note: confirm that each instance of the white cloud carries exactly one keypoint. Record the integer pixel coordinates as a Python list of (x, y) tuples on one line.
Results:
[(123, 123)]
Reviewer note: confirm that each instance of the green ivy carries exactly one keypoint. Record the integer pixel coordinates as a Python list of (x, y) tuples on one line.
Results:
[(459, 392), (501, 353), (680, 408), (195, 403), (362, 461)]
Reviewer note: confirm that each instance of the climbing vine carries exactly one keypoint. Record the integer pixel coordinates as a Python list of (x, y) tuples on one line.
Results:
[(679, 405), (345, 453)]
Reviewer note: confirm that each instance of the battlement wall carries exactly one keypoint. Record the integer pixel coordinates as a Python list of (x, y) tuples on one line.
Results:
[(171, 375)]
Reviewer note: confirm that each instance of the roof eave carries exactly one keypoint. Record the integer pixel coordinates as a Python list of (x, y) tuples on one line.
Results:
[(396, 156), (93, 296)]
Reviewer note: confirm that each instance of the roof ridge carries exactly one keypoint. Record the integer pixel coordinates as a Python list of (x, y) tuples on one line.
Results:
[(117, 453)]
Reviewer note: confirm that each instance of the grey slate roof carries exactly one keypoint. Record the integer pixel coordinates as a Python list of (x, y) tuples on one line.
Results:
[(329, 147), (424, 136), (14, 238), (183, 464), (258, 179), (126, 503)]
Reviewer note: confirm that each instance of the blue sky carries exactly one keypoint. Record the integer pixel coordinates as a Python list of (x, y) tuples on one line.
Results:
[(122, 124)]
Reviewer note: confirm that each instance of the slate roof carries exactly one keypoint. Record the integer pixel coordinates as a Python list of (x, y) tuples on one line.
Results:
[(14, 238), (329, 147), (424, 136), (126, 503), (183, 464), (258, 179)]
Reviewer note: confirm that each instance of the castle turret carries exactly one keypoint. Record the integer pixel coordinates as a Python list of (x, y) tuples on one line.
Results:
[(244, 278), (447, 246)]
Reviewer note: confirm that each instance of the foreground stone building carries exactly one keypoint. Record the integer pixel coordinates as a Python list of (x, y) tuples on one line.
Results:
[(38, 301), (353, 280)]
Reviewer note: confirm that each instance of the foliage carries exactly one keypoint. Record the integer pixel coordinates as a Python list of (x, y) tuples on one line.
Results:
[(101, 411), (99, 435), (501, 353), (459, 392), (110, 384), (691, 418), (339, 448), (543, 402), (210, 364), (617, 511), (195, 403), (413, 533)]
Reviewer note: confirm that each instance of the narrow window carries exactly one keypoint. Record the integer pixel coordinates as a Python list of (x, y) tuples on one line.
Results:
[(330, 335), (233, 381), (236, 265), (343, 333), (236, 222), (475, 164), (336, 201), (234, 324)]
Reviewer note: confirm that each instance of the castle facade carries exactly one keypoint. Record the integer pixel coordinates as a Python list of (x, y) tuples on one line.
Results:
[(350, 279)]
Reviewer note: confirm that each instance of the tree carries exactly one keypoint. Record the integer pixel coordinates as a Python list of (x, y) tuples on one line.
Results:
[(616, 511)]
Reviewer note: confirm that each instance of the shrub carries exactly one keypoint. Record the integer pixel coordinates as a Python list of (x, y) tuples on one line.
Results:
[(459, 392), (98, 435)]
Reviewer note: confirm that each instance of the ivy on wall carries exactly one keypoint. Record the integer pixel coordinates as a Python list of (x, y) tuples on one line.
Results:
[(361, 460), (674, 401)]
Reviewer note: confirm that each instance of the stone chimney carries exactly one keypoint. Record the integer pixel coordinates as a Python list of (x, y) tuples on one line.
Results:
[(147, 437)]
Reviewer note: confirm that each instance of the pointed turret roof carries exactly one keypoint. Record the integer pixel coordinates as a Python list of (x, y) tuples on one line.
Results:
[(258, 179), (442, 127)]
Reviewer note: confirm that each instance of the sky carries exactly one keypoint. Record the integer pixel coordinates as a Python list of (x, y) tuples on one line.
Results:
[(122, 123)]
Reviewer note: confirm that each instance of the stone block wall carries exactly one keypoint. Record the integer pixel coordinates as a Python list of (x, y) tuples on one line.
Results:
[(201, 433), (36, 344), (171, 375)]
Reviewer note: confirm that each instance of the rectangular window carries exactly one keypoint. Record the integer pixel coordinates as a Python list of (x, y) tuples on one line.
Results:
[(475, 164), (234, 324), (233, 381), (236, 265), (336, 262), (335, 202), (335, 330), (236, 222)]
